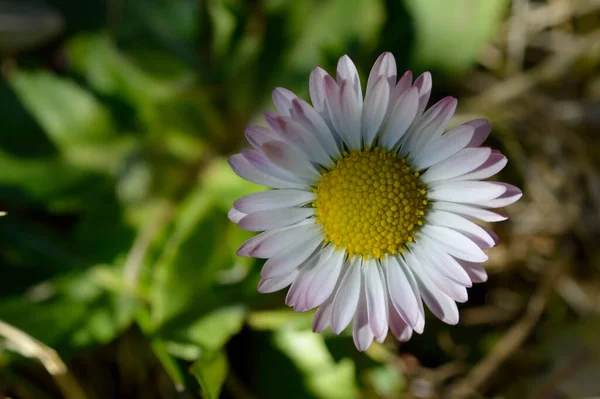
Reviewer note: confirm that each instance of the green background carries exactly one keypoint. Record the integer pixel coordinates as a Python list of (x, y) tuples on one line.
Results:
[(116, 120)]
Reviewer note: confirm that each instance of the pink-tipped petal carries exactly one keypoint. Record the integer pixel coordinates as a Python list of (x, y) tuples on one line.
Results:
[(288, 158), (346, 298), (482, 129), (384, 67), (274, 218), (375, 294), (285, 261), (374, 110), (258, 135), (317, 90), (361, 331), (454, 243), (461, 163), (247, 171), (424, 84), (469, 211), (274, 284), (311, 120), (400, 119), (346, 70), (282, 98), (404, 299), (235, 216)]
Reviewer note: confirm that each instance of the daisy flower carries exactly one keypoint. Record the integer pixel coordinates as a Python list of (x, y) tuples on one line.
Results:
[(373, 203)]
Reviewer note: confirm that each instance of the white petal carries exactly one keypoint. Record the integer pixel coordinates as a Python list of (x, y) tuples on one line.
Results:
[(455, 222), (296, 296), (243, 168), (424, 84), (454, 243), (374, 110), (361, 332), (260, 162), (305, 140), (322, 319), (400, 119), (440, 304), (272, 219), (350, 111), (310, 119), (346, 298), (468, 211), (381, 337), (440, 261), (494, 164), (420, 324), (325, 278), (276, 283), (376, 297), (282, 98), (268, 243), (400, 88), (470, 192), (431, 125), (285, 261), (258, 135), (401, 292), (235, 216), (333, 103), (400, 329), (346, 70), (455, 291), (511, 195), (317, 278), (475, 271), (317, 90), (273, 199), (385, 67), (464, 161), (288, 158), (492, 234), (443, 148)]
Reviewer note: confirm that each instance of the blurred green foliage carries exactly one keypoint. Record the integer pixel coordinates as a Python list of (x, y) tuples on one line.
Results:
[(114, 176)]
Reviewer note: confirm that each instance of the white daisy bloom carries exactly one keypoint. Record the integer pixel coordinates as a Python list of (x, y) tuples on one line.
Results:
[(373, 202)]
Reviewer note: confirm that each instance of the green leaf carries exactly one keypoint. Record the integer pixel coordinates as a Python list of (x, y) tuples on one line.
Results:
[(69, 114), (75, 121), (78, 307), (332, 28), (113, 72), (192, 256), (213, 330), (165, 25), (325, 378), (451, 33), (22, 127), (170, 364), (211, 371), (45, 179), (387, 379), (224, 25), (279, 319)]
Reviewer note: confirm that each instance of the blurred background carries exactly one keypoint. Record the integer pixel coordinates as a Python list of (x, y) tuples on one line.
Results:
[(118, 273)]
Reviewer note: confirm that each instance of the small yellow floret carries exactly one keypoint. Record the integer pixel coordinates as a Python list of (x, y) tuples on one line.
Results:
[(370, 202)]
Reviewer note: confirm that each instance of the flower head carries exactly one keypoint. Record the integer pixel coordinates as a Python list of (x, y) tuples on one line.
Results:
[(373, 203)]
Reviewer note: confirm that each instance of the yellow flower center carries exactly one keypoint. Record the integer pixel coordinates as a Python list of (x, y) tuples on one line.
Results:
[(370, 202)]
